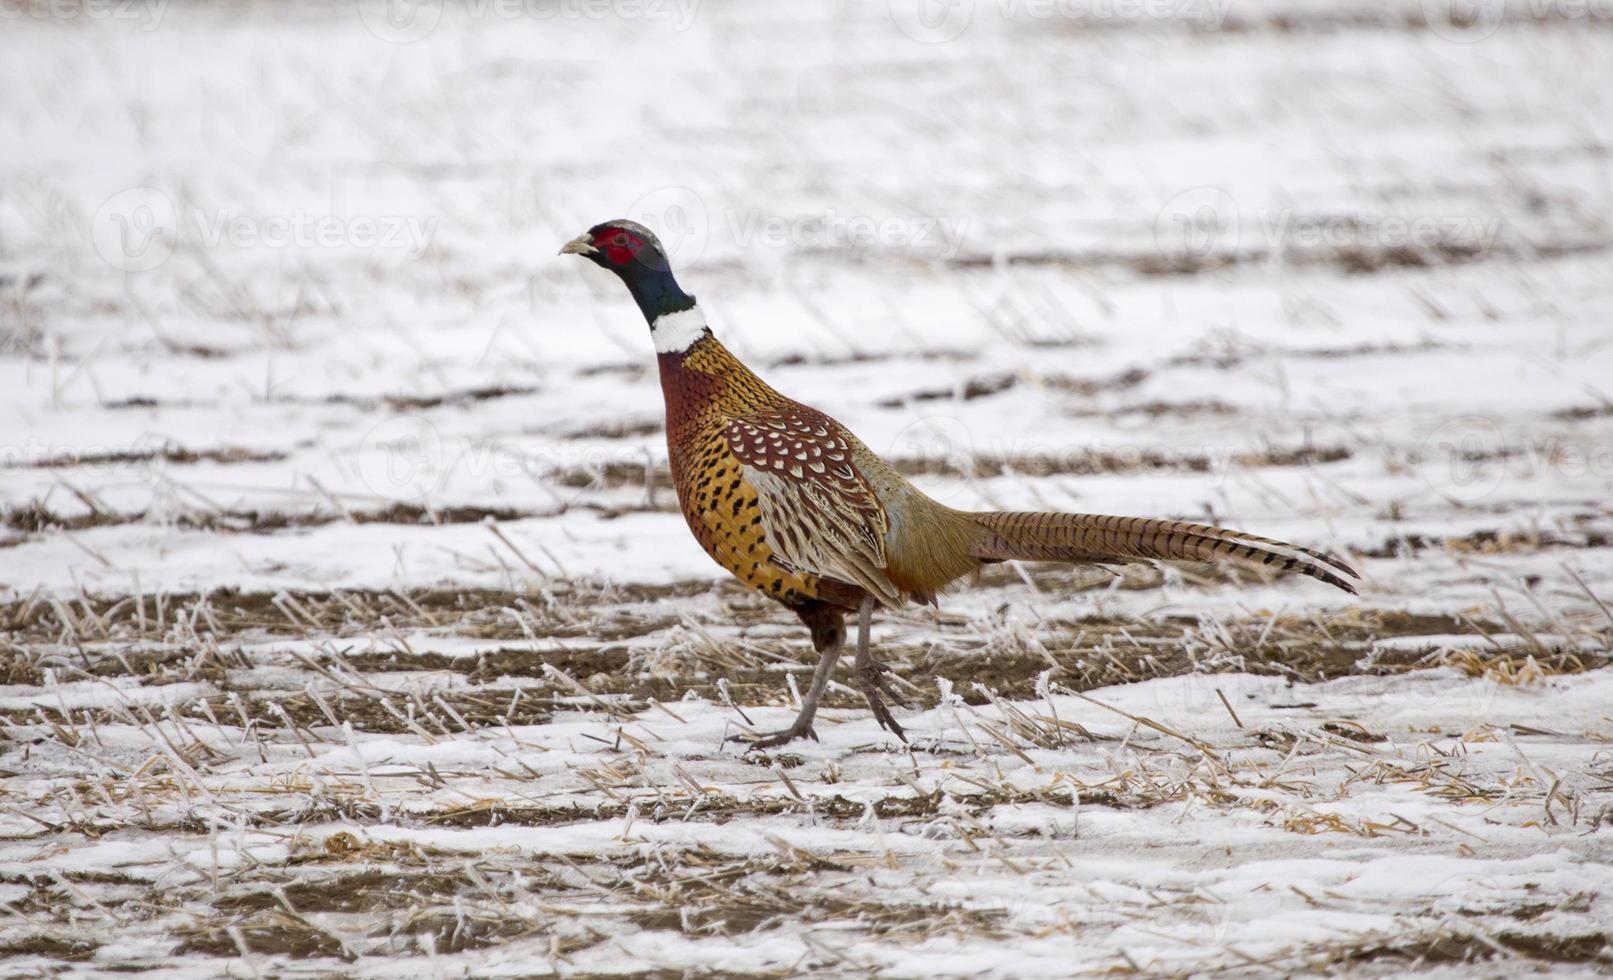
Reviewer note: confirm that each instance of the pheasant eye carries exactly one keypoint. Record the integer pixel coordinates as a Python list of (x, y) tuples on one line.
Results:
[(620, 240)]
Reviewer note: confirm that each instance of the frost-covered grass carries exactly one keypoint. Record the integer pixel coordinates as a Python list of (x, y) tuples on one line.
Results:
[(349, 627)]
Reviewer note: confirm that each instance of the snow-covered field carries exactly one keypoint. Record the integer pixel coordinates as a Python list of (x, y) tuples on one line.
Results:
[(348, 626)]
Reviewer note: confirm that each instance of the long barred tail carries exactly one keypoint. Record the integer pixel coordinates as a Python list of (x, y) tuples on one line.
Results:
[(1097, 539)]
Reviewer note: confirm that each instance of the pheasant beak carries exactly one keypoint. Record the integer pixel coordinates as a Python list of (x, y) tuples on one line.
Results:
[(579, 246)]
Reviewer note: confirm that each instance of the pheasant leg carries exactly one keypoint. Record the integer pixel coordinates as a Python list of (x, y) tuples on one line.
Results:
[(802, 725), (871, 674)]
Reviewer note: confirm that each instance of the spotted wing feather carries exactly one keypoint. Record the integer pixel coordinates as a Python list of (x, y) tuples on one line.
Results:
[(821, 514)]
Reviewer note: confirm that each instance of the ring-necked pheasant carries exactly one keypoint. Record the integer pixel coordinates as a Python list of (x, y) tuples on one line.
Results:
[(797, 508)]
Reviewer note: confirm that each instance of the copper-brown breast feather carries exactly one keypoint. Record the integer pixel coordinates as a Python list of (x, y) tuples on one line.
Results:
[(821, 514)]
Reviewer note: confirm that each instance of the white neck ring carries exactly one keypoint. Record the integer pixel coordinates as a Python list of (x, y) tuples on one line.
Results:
[(676, 332)]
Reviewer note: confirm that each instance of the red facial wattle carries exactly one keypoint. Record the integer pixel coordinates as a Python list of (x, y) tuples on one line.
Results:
[(619, 246)]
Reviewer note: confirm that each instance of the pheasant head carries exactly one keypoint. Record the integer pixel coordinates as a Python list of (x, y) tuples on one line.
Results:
[(633, 253)]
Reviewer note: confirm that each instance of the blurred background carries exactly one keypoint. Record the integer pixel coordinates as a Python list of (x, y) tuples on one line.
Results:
[(1255, 260), (338, 553), (1259, 261)]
